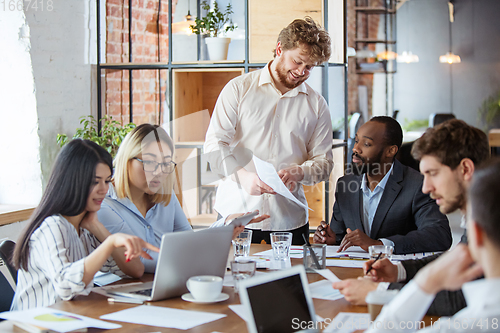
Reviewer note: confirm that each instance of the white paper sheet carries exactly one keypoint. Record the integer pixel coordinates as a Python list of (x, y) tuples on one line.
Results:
[(268, 175), (102, 279), (412, 256), (350, 263), (327, 274), (163, 317), (243, 313), (296, 251), (352, 252), (323, 290), (57, 320), (347, 322)]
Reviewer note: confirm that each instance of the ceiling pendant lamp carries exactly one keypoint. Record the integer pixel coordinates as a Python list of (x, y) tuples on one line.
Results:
[(407, 56), (450, 57), (387, 55), (183, 27)]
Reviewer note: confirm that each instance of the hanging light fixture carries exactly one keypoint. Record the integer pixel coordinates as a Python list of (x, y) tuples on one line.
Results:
[(387, 55), (183, 27), (407, 56), (449, 57), (365, 53)]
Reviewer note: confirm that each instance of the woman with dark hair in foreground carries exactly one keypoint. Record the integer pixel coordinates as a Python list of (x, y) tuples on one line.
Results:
[(64, 244)]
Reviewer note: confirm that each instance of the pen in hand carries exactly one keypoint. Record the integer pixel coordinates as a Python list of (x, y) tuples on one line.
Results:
[(378, 257)]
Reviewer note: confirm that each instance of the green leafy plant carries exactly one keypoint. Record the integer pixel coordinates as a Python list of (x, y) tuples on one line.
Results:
[(214, 22), (416, 124), (110, 137), (489, 112)]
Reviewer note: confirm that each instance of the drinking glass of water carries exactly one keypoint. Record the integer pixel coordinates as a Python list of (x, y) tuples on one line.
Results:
[(380, 251), (241, 244), (241, 270), (281, 242)]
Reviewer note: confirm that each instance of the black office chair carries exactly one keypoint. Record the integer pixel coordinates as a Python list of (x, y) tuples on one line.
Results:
[(354, 124), (438, 118), (404, 156), (7, 293), (6, 253)]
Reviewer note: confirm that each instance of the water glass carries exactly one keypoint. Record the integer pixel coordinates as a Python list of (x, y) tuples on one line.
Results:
[(241, 244), (380, 251), (241, 270), (281, 242)]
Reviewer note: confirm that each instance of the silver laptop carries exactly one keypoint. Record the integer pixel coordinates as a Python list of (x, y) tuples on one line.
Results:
[(183, 255), (278, 302)]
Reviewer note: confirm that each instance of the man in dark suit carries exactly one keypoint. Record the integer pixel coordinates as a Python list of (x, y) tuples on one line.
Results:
[(448, 155), (382, 201)]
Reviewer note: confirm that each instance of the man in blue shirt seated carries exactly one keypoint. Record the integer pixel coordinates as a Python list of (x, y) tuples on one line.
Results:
[(381, 202)]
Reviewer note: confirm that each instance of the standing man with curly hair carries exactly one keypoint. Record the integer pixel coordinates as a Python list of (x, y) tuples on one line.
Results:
[(273, 114)]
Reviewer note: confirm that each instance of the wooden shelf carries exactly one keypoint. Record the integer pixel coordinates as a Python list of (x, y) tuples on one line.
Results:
[(375, 10), (375, 72), (374, 41), (15, 213)]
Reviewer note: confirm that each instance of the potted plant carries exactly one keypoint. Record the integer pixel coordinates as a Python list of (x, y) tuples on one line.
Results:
[(214, 25), (489, 112), (111, 135)]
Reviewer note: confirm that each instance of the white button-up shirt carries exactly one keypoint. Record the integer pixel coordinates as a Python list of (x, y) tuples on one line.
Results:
[(251, 116), (482, 314)]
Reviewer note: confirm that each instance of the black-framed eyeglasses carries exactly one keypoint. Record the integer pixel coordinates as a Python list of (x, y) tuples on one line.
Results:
[(152, 166)]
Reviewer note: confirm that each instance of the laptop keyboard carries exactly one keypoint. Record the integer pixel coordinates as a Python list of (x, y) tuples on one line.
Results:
[(145, 292)]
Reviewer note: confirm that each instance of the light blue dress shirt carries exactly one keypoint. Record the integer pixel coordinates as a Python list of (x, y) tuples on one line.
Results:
[(121, 215), (371, 199)]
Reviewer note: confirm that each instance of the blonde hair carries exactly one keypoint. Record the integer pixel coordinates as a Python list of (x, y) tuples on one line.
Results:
[(131, 147)]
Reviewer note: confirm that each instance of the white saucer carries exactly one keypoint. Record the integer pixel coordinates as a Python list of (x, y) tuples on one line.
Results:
[(188, 297)]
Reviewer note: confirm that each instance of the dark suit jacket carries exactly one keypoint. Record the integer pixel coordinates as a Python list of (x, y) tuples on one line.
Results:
[(405, 215), (446, 303)]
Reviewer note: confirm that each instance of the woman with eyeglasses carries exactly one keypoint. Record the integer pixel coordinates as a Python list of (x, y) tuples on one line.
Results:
[(142, 201)]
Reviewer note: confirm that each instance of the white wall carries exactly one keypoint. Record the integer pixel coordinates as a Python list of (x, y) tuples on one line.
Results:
[(431, 87), (20, 173), (63, 51)]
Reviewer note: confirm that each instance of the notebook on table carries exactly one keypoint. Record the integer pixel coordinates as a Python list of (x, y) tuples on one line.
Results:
[(183, 255), (278, 302)]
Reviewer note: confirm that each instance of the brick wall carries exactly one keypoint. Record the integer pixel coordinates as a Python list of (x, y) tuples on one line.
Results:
[(355, 80), (149, 44)]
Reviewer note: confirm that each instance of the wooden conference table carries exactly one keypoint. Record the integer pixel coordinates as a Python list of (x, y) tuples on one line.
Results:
[(96, 305)]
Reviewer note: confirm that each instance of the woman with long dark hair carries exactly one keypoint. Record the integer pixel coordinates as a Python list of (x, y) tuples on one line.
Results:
[(142, 201), (64, 244)]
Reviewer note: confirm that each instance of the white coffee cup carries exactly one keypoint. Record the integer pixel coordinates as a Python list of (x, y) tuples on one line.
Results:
[(205, 288), (377, 299)]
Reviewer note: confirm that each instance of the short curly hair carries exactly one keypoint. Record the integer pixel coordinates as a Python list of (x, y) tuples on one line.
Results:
[(451, 142), (307, 32)]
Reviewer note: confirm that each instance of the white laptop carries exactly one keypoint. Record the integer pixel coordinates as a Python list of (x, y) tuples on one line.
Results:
[(277, 302), (183, 255)]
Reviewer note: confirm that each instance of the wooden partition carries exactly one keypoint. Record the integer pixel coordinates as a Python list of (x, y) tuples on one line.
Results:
[(195, 92), (267, 18), (316, 195)]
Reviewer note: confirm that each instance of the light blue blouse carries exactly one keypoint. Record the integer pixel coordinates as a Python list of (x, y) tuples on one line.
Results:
[(121, 215)]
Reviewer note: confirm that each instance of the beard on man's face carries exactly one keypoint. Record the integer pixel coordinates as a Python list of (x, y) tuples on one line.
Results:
[(372, 167), (283, 76)]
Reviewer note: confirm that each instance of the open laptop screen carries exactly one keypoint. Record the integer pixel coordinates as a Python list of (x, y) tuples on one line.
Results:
[(276, 303)]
